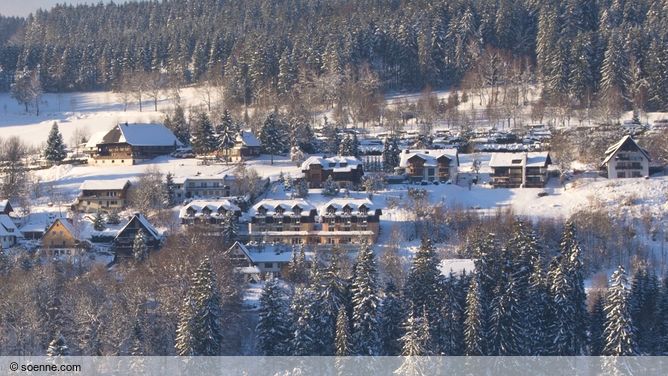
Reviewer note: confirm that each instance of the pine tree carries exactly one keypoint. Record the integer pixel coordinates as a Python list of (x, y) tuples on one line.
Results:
[(391, 154), (55, 148), (58, 347), (330, 289), (330, 187), (226, 133), (202, 139), (596, 326), (506, 329), (416, 342), (572, 254), (178, 125), (303, 323), (343, 340), (391, 318), (169, 189), (98, 222), (619, 333), (475, 335), (365, 304), (230, 227), (139, 246), (273, 136), (301, 190), (199, 332), (643, 305), (272, 328), (451, 331)]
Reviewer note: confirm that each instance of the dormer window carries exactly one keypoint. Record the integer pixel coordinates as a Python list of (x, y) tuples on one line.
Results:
[(279, 210), (516, 161), (262, 210), (363, 210), (297, 210), (347, 210), (331, 210)]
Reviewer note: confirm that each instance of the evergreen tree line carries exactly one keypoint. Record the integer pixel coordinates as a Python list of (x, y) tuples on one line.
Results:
[(514, 303), (583, 49)]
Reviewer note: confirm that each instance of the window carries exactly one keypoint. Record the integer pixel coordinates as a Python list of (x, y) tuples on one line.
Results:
[(621, 174), (268, 265)]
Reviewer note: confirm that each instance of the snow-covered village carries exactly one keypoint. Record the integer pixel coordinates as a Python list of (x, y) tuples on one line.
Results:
[(280, 178)]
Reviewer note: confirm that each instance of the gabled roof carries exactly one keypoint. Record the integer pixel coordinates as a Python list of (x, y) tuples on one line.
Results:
[(354, 204), (150, 230), (430, 156), (65, 223), (5, 205), (287, 205), (7, 226), (104, 185), (280, 253), (624, 142), (247, 138), (337, 163), (213, 205), (141, 135), (533, 159)]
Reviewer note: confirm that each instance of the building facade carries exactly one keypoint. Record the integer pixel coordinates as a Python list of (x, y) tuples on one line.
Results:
[(626, 159), (210, 212), (346, 171), (9, 233), (519, 170), (102, 195), (430, 165)]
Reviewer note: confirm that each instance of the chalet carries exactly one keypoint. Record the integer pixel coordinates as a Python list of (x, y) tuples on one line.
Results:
[(126, 236), (5, 207), (345, 171), (246, 146), (34, 224), (102, 195), (258, 260), (8, 232), (129, 144), (347, 221), (61, 239), (515, 170), (282, 221), (430, 165), (208, 212), (625, 159)]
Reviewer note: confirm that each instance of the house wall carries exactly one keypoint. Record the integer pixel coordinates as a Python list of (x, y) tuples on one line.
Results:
[(94, 201), (628, 164), (58, 236), (7, 241)]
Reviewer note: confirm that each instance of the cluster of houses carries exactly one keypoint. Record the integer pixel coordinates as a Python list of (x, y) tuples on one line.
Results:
[(271, 229)]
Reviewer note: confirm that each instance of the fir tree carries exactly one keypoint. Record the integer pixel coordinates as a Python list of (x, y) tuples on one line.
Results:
[(178, 125), (272, 328), (506, 329), (619, 333), (475, 336), (230, 227), (55, 148), (272, 136), (391, 154), (303, 323), (596, 326), (202, 139), (343, 343), (113, 218), (365, 304), (199, 332), (330, 187), (226, 133), (643, 305), (139, 246), (301, 189), (416, 342), (169, 189), (391, 318), (330, 289), (98, 222)]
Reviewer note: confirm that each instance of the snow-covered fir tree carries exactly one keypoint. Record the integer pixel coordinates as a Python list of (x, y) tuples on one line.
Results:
[(475, 328), (139, 246), (330, 288), (330, 187), (301, 188), (304, 320), (391, 318), (98, 222), (178, 125), (643, 305), (273, 136), (202, 139), (349, 146), (273, 326), (230, 227), (596, 325), (450, 337), (416, 342), (507, 336), (619, 333), (365, 303), (343, 345), (199, 332), (55, 147), (226, 133), (391, 154)]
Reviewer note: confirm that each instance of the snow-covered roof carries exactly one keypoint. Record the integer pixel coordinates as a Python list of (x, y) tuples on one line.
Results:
[(264, 252), (219, 177), (287, 205), (354, 204), (429, 156), (3, 205), (247, 138), (104, 185), (39, 221), (532, 159), (65, 223), (338, 163), (7, 226), (213, 205), (626, 140), (141, 135), (95, 139), (145, 223)]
